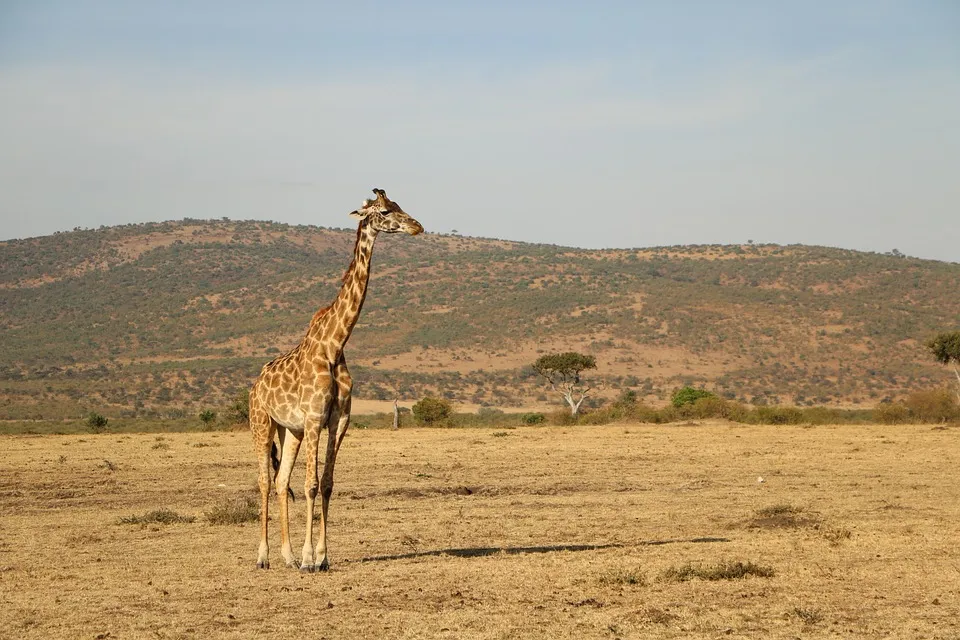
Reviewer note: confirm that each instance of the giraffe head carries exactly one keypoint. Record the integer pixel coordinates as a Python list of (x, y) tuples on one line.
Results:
[(386, 215)]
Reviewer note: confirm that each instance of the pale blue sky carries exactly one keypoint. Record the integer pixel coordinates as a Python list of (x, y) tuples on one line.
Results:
[(600, 124)]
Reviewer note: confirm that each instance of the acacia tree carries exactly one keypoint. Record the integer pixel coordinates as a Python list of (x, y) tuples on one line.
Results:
[(562, 371), (945, 348)]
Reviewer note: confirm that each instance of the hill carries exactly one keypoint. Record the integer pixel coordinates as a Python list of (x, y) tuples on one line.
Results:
[(172, 317)]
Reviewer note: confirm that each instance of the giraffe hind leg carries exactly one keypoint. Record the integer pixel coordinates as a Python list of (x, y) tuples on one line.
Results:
[(262, 428)]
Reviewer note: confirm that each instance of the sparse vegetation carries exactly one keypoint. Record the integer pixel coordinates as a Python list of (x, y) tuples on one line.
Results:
[(808, 616), (157, 516), (220, 290), (782, 516), (571, 540), (238, 510), (618, 577), (719, 571), (935, 405)]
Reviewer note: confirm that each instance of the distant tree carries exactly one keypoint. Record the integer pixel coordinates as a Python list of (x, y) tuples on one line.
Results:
[(207, 416), (432, 411), (945, 348), (97, 423), (688, 395), (562, 371)]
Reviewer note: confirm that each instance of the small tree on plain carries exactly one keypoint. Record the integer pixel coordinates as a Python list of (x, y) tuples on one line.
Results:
[(207, 416), (432, 411), (688, 395), (945, 348), (97, 423), (562, 371)]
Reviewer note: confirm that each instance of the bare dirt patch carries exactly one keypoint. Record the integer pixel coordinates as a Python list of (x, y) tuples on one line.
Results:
[(550, 533)]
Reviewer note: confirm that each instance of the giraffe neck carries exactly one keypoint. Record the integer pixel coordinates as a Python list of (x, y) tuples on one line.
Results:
[(333, 328)]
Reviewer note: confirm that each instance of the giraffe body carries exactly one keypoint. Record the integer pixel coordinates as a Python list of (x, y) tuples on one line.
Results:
[(308, 388)]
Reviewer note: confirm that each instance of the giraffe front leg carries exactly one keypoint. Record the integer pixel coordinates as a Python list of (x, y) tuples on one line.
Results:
[(326, 490), (334, 440), (310, 486)]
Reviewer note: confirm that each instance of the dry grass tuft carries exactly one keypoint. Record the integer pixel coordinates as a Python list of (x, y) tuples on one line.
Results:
[(157, 516), (836, 535), (808, 616), (720, 571), (782, 516), (618, 577), (658, 616), (234, 511)]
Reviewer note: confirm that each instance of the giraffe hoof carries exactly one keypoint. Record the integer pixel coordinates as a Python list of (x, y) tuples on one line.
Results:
[(306, 568), (323, 566), (293, 564), (263, 564)]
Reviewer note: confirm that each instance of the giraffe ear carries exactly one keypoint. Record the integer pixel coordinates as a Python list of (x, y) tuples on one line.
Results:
[(359, 215)]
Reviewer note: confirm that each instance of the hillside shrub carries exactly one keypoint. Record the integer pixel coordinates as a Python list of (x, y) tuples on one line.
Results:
[(688, 395), (432, 411), (238, 412), (207, 417), (97, 423), (776, 415), (709, 407), (891, 413), (935, 405), (531, 419)]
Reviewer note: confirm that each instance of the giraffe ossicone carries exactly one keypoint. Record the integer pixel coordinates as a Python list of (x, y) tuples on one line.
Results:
[(308, 388)]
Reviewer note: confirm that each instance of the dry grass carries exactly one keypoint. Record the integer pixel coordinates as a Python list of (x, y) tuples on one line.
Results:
[(550, 532), (238, 510), (157, 516), (726, 570)]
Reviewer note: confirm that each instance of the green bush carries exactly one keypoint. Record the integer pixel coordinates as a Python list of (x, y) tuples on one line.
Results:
[(239, 410), (207, 416), (532, 418), (688, 395), (432, 411), (97, 423)]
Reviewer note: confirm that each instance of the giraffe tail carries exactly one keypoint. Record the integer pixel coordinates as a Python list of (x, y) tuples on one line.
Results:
[(275, 459)]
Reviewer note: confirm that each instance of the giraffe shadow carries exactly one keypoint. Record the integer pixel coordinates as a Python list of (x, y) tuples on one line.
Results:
[(480, 552)]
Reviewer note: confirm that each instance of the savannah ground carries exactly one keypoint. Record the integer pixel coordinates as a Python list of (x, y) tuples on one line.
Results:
[(551, 532)]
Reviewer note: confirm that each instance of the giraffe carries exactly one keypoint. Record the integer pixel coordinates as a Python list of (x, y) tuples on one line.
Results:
[(308, 388)]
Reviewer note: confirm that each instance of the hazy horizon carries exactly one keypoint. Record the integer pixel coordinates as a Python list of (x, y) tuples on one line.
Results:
[(618, 125)]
